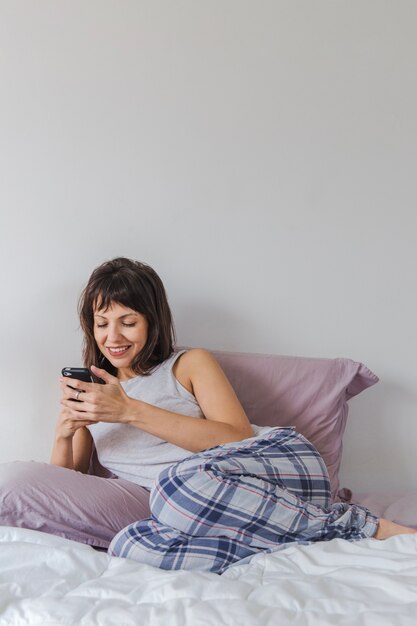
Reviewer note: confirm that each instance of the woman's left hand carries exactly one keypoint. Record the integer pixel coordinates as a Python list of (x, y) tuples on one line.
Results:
[(97, 403)]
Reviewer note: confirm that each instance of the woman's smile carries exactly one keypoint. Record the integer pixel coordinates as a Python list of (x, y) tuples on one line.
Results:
[(117, 352)]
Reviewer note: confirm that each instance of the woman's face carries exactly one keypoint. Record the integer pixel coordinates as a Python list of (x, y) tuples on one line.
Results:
[(120, 334)]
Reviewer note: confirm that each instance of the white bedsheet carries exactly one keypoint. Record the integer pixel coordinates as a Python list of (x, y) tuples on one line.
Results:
[(48, 581)]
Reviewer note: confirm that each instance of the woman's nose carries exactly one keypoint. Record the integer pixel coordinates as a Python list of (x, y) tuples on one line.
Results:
[(113, 333)]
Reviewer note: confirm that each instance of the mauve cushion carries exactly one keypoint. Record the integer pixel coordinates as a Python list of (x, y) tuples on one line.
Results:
[(398, 507), (403, 510), (310, 394)]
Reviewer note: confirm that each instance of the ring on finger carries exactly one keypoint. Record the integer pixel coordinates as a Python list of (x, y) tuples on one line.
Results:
[(77, 395)]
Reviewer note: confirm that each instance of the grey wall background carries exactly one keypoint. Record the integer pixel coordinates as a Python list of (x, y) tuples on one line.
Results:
[(261, 155)]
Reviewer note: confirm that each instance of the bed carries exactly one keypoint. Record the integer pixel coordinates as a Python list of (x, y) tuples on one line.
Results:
[(49, 580)]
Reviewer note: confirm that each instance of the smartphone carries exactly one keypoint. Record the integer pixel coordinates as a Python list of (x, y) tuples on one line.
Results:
[(81, 373)]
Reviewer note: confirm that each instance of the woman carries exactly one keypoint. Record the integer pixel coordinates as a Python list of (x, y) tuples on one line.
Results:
[(169, 422)]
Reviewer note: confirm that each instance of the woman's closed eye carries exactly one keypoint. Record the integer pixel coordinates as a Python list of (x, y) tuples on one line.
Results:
[(128, 324)]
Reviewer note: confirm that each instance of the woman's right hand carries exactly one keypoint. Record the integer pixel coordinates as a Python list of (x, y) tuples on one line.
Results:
[(73, 443), (68, 423)]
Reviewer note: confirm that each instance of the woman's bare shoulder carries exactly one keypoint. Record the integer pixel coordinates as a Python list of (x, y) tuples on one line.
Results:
[(192, 362), (197, 357)]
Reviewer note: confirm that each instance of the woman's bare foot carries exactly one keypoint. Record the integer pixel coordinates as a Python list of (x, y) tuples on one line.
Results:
[(387, 529)]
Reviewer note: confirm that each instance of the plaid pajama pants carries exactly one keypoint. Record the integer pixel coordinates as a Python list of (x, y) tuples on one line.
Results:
[(230, 502)]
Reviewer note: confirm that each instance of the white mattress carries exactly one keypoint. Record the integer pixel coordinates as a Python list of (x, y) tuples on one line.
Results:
[(48, 581)]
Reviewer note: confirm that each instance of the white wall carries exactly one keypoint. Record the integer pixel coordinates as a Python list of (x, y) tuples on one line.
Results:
[(261, 155)]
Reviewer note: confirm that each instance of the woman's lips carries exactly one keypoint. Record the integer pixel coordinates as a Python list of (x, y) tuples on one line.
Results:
[(118, 352)]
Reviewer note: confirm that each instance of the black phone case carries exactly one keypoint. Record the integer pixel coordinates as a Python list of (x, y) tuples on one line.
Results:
[(81, 373)]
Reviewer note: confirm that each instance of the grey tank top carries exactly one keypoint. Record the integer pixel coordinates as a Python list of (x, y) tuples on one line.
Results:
[(129, 452)]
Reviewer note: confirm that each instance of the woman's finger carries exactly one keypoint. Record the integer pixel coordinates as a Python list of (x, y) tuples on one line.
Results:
[(108, 378), (74, 407), (74, 395), (78, 399), (73, 383), (81, 416)]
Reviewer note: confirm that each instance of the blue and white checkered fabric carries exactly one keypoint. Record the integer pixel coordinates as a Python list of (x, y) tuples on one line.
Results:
[(230, 502)]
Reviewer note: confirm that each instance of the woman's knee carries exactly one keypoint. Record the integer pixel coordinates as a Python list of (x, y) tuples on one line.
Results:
[(176, 490)]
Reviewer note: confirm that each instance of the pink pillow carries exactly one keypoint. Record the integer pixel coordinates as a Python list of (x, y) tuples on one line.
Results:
[(308, 393), (403, 510), (398, 507)]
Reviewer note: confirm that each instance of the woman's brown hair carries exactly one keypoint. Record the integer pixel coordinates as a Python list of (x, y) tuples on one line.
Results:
[(137, 286)]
